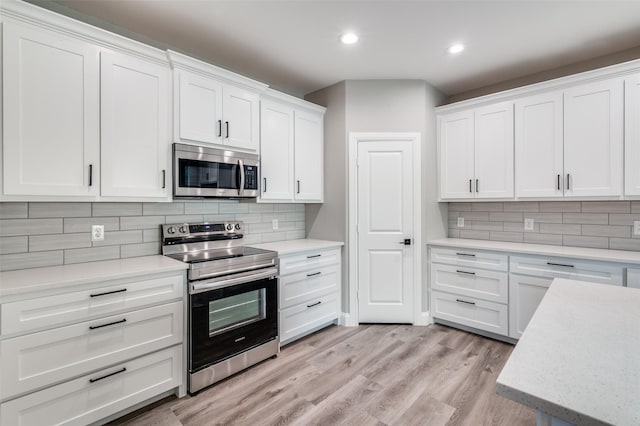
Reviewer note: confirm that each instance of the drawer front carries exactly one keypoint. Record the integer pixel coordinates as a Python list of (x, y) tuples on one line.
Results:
[(488, 285), (49, 312), (480, 314), (633, 278), (309, 260), (307, 286), (470, 258), (556, 267), (86, 400), (297, 320), (41, 359)]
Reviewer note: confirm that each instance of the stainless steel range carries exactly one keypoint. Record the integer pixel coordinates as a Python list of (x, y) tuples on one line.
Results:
[(233, 303)]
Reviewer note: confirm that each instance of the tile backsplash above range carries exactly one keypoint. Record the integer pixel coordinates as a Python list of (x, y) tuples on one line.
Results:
[(47, 234), (597, 224)]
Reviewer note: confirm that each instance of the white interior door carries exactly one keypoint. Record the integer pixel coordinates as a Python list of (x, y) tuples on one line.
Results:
[(385, 220)]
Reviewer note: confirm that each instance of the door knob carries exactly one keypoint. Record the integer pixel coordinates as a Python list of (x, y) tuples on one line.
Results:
[(406, 242)]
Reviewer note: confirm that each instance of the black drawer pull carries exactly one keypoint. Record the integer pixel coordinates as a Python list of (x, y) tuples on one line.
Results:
[(107, 292), (122, 370), (566, 265), (313, 255), (466, 254), (465, 272), (464, 301), (314, 274), (314, 304), (93, 327)]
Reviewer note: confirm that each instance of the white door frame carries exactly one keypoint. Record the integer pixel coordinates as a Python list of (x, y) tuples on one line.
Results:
[(352, 319)]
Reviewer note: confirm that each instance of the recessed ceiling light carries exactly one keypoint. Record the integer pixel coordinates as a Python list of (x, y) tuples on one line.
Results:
[(349, 38), (456, 48)]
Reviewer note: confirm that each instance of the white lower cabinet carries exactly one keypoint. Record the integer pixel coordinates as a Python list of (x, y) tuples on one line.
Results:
[(95, 396), (472, 312), (525, 294), (309, 291)]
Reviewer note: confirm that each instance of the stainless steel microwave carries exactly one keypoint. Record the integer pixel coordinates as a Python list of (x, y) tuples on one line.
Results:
[(201, 172)]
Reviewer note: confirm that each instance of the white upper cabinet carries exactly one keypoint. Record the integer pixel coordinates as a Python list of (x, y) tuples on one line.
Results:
[(539, 146), (276, 150), (214, 106), (632, 135), (135, 123), (456, 155), (308, 154), (476, 153), (593, 128), (292, 149), (493, 151), (51, 114)]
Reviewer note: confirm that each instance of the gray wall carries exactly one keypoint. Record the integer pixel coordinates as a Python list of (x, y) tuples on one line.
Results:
[(47, 234), (374, 106), (597, 224)]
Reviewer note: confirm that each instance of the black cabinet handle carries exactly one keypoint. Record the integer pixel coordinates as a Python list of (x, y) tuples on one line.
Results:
[(264, 189), (558, 182), (164, 179), (314, 304), (470, 186), (568, 182), (314, 274), (93, 327), (227, 124), (477, 186), (566, 265), (465, 272), (464, 301), (466, 254), (90, 174), (219, 128), (122, 370), (313, 255), (108, 292), (298, 186)]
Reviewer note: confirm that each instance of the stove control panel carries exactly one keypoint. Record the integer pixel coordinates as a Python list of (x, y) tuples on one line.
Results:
[(184, 230)]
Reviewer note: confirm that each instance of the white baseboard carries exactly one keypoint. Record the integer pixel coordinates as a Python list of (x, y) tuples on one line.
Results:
[(423, 319), (347, 320)]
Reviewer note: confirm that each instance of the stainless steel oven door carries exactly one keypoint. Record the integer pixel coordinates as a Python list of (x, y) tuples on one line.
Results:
[(208, 172)]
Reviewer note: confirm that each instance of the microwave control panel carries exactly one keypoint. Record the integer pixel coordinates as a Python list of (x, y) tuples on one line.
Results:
[(251, 177)]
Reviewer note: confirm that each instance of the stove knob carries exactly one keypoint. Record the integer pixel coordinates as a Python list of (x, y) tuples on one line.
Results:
[(171, 230), (237, 226), (229, 227), (183, 229)]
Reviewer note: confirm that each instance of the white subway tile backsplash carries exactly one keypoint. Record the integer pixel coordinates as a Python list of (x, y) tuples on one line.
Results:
[(75, 225), (92, 254), (10, 245), (151, 235), (475, 216), (582, 241), (586, 218), (624, 244), (514, 237), (545, 217), (523, 206), (233, 208), (635, 207), (13, 210), (249, 218), (606, 207), (59, 241), (506, 217), (560, 228), (9, 262), (141, 222), (623, 219), (295, 235), (607, 231), (260, 208), (218, 217), (143, 249), (185, 218), (474, 235), (44, 210), (454, 233), (536, 238), (156, 209), (560, 206), (117, 209), (16, 227), (487, 207), (117, 238), (285, 207), (478, 225), (200, 208)]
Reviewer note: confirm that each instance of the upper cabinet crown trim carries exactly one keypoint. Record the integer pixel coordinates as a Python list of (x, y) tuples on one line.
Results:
[(52, 21), (300, 103), (180, 61), (612, 71)]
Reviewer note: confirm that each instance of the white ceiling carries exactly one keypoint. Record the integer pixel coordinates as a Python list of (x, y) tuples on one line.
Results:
[(293, 45)]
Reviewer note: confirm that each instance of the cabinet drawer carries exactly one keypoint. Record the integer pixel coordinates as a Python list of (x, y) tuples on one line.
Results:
[(480, 314), (555, 267), (297, 288), (49, 312), (488, 285), (470, 258), (308, 260), (633, 278), (41, 359), (302, 318), (86, 400)]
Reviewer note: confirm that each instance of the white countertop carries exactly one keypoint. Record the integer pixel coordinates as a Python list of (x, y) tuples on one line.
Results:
[(620, 256), (293, 246), (39, 279), (579, 358)]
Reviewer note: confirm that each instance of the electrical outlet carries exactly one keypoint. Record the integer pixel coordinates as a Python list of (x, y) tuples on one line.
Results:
[(274, 224), (636, 227), (528, 224), (97, 232), (461, 222)]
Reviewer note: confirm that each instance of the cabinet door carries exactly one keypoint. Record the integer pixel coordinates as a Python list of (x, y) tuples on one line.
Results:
[(241, 111), (134, 127), (632, 135), (51, 113), (276, 151), (456, 155), (593, 139), (308, 153), (525, 294), (493, 151), (199, 108), (538, 146)]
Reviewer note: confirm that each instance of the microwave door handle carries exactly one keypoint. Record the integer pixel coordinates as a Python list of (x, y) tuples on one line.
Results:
[(241, 186)]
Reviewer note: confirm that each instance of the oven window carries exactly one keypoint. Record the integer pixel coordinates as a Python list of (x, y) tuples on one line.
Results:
[(207, 174), (236, 311)]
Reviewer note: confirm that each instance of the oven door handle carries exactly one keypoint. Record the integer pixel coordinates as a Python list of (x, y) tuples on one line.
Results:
[(222, 282)]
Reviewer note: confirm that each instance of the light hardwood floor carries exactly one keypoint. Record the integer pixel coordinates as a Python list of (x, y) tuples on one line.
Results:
[(367, 375)]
